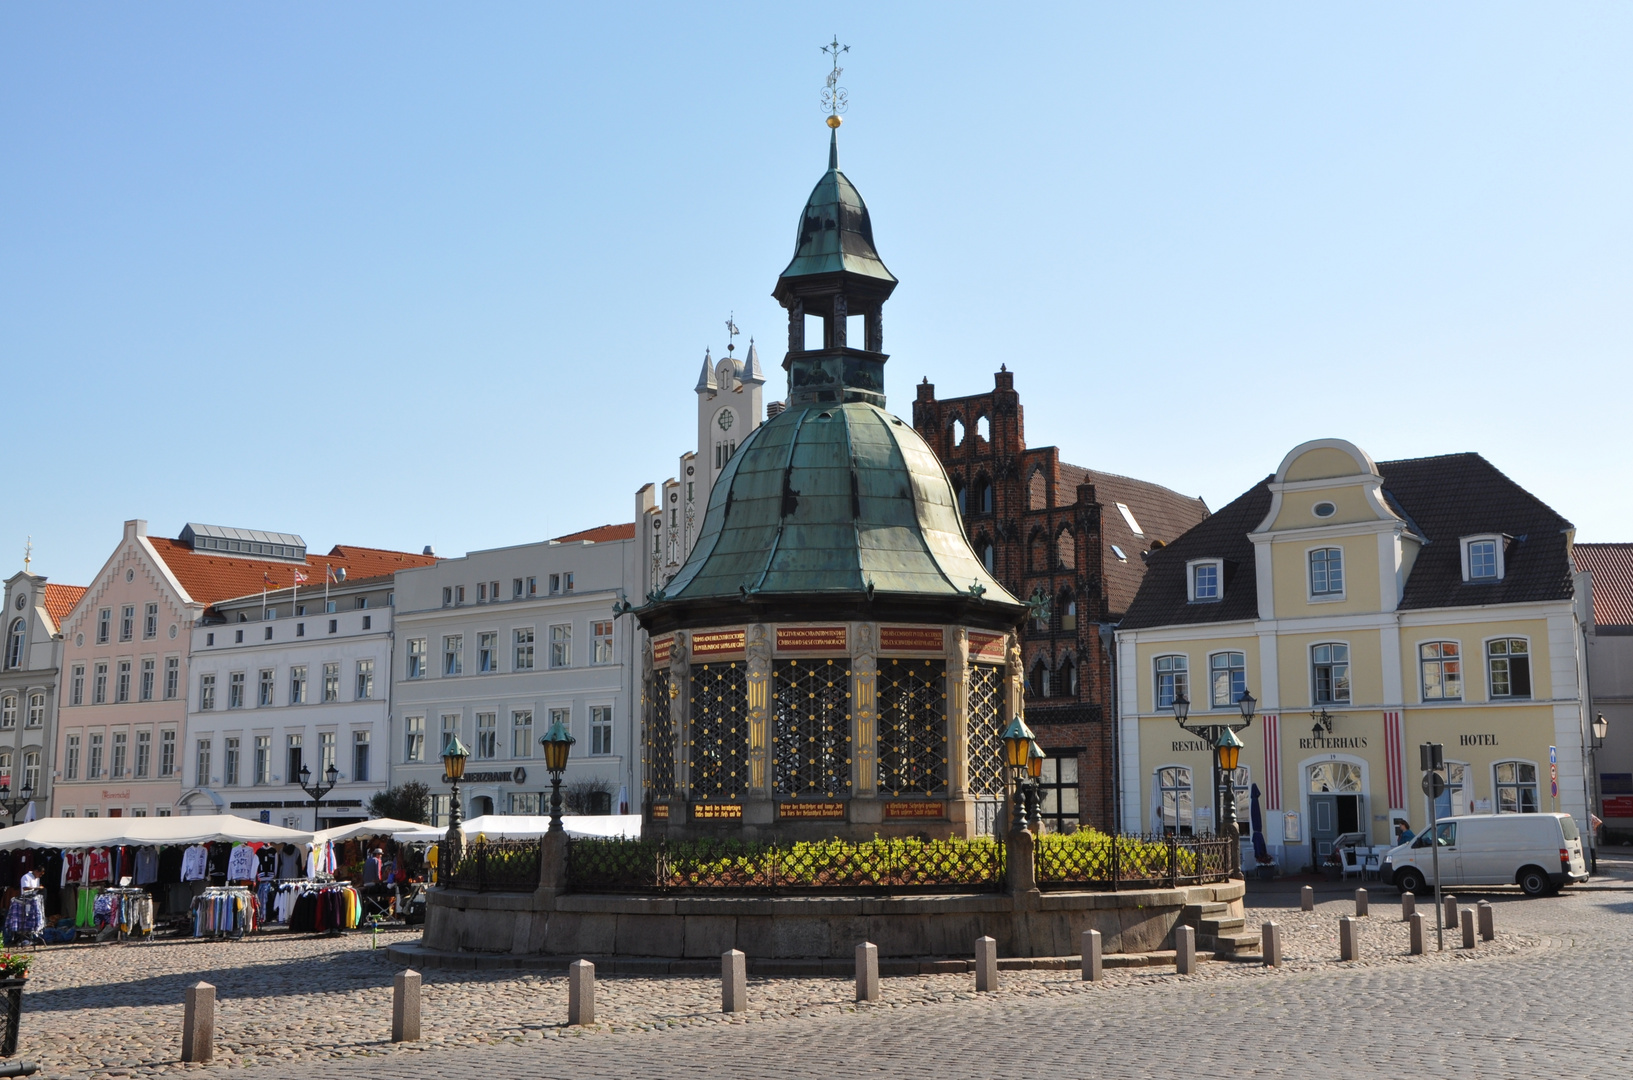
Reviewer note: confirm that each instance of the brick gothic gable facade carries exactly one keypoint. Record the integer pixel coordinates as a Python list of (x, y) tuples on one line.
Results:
[(1048, 529)]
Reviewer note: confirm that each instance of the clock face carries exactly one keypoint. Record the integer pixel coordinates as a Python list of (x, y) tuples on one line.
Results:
[(726, 420)]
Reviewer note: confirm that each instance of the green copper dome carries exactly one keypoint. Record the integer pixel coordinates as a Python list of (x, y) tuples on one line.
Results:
[(833, 512), (835, 232)]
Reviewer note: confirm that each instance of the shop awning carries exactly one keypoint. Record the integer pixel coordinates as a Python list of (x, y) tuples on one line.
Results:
[(57, 832), (526, 827), (384, 826)]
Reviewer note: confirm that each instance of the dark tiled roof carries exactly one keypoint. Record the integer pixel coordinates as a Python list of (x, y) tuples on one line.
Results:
[(1162, 599), (1163, 515), (1612, 568), (1459, 495), (1442, 498)]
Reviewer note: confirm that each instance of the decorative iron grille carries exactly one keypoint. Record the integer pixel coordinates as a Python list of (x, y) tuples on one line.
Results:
[(492, 866), (719, 741), (1090, 860), (811, 727), (660, 737), (834, 866), (912, 726), (984, 730)]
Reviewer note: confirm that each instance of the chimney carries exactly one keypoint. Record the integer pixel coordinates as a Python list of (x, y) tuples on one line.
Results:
[(775, 409), (429, 550)]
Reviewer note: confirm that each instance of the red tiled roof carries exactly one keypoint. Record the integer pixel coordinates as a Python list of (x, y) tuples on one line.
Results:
[(60, 600), (1612, 568), (210, 576), (600, 534)]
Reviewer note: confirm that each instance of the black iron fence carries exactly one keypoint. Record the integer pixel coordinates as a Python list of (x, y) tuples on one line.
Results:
[(1093, 860), (491, 865), (881, 865)]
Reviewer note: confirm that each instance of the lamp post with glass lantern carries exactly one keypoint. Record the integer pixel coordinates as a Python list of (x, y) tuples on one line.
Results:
[(1034, 790), (1600, 728), (15, 805), (1017, 749), (319, 789), (557, 742), (1227, 750), (453, 764), (1245, 705)]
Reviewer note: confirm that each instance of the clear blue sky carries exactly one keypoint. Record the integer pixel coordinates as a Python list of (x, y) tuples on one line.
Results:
[(399, 274)]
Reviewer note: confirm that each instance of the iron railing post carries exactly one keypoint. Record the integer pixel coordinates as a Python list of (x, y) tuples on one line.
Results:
[(1173, 860)]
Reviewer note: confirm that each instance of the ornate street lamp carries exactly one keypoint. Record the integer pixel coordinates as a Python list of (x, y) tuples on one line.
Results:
[(318, 790), (15, 806), (1017, 748), (557, 742), (1246, 706), (1601, 728), (1034, 791), (453, 764)]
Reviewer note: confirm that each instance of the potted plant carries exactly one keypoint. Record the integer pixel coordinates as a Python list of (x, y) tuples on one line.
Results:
[(14, 967)]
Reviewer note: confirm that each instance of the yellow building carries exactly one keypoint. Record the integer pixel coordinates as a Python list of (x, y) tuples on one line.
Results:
[(1370, 607)]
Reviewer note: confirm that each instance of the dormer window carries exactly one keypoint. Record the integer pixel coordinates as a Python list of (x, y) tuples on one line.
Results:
[(1206, 579), (1482, 558)]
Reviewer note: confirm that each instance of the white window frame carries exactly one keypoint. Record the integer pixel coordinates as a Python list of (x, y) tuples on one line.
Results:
[(601, 645), (521, 735), (418, 651), (487, 651), (453, 654), (565, 641), (1497, 540), (1212, 704), (1462, 672), (1497, 786), (1181, 677), (518, 645), (487, 736), (1157, 799), (1349, 673), (413, 739), (1531, 668), (607, 728), (1331, 595), (1191, 569)]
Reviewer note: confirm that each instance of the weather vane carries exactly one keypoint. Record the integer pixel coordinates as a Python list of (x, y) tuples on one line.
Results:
[(28, 554), (834, 98), (731, 331)]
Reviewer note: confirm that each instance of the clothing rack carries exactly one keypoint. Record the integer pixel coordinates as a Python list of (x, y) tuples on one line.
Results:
[(25, 918), (222, 911), (312, 906), (129, 910)]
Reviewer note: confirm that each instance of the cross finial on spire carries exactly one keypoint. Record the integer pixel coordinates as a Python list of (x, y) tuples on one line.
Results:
[(834, 98), (28, 554)]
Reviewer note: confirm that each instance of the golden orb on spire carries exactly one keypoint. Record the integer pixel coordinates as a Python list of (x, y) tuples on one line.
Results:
[(834, 122)]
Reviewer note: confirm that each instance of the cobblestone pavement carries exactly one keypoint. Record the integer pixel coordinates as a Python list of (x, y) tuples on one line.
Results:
[(311, 1008)]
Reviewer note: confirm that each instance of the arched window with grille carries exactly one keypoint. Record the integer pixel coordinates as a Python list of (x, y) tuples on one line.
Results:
[(1066, 550)]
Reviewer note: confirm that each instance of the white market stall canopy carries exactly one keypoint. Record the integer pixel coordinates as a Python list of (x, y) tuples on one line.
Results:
[(57, 832), (525, 827), (384, 826)]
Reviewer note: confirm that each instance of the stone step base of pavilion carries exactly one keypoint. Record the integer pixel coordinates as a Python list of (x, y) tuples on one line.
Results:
[(814, 929), (419, 957)]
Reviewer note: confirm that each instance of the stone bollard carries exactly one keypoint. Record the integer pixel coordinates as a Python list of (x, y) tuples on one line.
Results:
[(1468, 928), (198, 1023), (1360, 901), (580, 992), (1091, 955), (1448, 918), (1409, 904), (405, 1007), (867, 972), (986, 964), (1348, 944), (1270, 944), (733, 981), (1184, 950), (1416, 921), (1488, 926), (1306, 898)]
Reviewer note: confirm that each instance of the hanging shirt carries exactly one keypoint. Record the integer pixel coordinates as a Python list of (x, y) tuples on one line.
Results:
[(147, 865), (73, 868), (195, 862), (98, 866), (289, 863), (242, 863)]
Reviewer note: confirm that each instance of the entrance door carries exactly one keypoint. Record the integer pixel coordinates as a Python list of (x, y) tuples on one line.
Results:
[(1332, 816), (117, 811)]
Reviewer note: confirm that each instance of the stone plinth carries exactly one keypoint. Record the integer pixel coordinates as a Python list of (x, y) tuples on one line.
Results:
[(1029, 924)]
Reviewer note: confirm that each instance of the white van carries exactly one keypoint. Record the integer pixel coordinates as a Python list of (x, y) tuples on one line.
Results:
[(1538, 852)]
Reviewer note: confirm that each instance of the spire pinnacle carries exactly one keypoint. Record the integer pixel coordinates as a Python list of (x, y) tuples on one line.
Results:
[(705, 381), (835, 99)]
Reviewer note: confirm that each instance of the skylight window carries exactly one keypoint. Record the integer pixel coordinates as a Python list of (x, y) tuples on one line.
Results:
[(1117, 551), (1128, 516)]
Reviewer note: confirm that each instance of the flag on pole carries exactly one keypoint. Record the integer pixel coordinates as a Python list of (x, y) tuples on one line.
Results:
[(330, 572), (266, 579), (300, 578)]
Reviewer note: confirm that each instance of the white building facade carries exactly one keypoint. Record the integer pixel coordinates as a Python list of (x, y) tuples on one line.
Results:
[(301, 681), (495, 646)]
